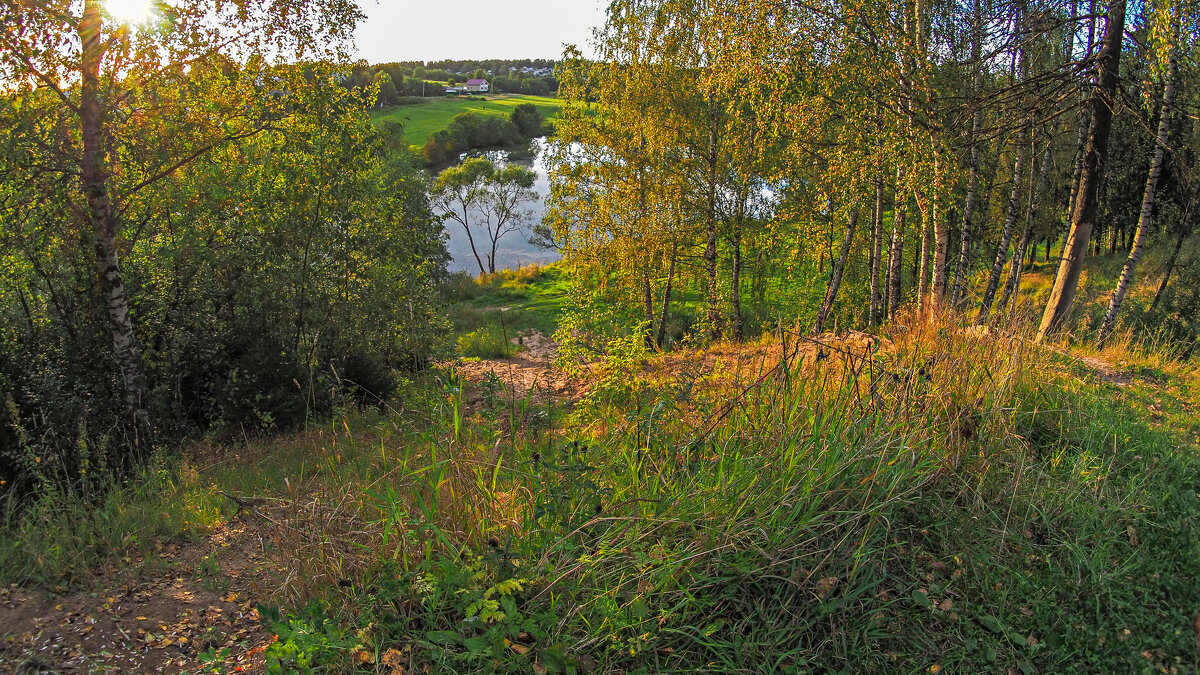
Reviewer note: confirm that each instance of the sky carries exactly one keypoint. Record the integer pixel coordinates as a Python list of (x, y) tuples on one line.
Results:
[(429, 30)]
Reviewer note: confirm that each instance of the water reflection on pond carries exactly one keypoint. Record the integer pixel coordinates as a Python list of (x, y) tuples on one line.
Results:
[(514, 249)]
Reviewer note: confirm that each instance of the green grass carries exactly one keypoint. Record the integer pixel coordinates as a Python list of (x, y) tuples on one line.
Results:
[(510, 301), (422, 120), (953, 503), (959, 503)]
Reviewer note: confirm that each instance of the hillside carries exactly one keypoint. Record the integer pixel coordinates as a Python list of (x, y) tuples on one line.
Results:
[(869, 344), (907, 500), (421, 120)]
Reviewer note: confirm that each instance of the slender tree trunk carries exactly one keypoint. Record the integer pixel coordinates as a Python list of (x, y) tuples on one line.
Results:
[(885, 296), (1018, 261), (94, 174), (666, 304), (923, 255), (912, 13), (1080, 149), (1010, 219), (491, 258), (1083, 218), (710, 270), (967, 234), (965, 259), (1139, 239), (648, 302), (739, 219), (1162, 285), (471, 239), (896, 257), (941, 239), (876, 311), (710, 247), (835, 281)]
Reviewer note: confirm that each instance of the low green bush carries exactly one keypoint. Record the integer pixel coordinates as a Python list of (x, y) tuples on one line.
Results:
[(486, 343)]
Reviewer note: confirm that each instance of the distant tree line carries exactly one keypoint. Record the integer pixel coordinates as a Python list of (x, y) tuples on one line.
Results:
[(396, 82)]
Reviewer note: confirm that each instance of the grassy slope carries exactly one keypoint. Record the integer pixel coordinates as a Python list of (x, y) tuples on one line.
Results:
[(488, 311), (990, 507), (422, 120)]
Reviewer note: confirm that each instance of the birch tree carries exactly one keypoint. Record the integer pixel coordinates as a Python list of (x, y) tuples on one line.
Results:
[(1152, 178)]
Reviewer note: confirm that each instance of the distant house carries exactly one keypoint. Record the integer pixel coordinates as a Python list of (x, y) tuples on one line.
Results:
[(476, 86)]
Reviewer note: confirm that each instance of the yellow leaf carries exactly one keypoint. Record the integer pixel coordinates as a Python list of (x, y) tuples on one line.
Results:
[(392, 658)]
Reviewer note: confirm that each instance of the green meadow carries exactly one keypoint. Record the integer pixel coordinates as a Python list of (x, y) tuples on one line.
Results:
[(422, 120)]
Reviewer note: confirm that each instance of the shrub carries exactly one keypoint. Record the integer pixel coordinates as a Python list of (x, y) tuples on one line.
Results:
[(366, 379), (260, 388), (528, 119), (486, 343)]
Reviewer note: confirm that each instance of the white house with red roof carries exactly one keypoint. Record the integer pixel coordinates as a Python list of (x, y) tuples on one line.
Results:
[(476, 85)]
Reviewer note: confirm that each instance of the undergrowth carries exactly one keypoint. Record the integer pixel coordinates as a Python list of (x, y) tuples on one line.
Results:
[(938, 498)]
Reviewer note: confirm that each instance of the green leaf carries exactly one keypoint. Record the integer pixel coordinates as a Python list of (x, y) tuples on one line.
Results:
[(554, 658), (921, 599), (477, 645), (992, 623), (443, 637)]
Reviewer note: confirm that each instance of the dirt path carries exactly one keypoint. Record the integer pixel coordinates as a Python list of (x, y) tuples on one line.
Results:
[(191, 602), (531, 372), (1103, 368), (199, 599)]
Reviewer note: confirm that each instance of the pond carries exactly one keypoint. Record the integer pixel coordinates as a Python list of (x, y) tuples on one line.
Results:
[(514, 250)]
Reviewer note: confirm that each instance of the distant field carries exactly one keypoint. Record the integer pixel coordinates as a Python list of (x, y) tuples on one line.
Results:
[(422, 120)]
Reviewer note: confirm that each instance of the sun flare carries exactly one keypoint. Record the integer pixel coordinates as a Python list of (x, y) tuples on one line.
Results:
[(130, 11)]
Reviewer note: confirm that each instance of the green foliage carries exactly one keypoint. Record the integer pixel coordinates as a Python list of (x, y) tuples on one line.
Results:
[(486, 343), (468, 131), (971, 502), (307, 642), (369, 379), (253, 276), (528, 120)]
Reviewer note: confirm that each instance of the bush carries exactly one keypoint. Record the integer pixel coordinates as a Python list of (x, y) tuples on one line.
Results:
[(469, 131), (528, 120), (486, 343), (261, 386), (366, 379)]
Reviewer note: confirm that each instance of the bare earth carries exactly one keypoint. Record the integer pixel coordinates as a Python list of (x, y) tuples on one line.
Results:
[(158, 622)]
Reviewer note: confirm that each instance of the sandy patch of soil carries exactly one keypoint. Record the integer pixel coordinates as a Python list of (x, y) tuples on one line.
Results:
[(155, 622)]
